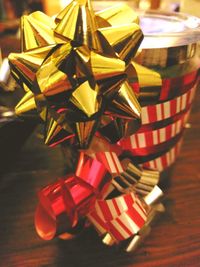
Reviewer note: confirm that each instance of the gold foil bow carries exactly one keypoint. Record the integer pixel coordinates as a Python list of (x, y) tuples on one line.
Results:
[(76, 68)]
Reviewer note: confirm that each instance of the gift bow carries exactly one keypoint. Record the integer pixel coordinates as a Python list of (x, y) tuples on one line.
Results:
[(76, 71)]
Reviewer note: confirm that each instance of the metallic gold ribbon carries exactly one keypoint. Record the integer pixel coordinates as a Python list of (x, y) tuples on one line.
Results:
[(75, 72)]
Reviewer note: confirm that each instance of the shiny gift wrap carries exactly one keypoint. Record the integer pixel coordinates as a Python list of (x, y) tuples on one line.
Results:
[(96, 92)]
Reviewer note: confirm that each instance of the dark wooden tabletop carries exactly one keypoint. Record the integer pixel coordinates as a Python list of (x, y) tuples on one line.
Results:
[(174, 240)]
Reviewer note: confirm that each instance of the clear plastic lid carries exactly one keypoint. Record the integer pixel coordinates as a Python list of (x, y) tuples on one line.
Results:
[(168, 29)]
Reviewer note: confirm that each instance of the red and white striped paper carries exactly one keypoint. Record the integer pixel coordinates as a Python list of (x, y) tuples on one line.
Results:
[(155, 137), (165, 160), (121, 217), (167, 109)]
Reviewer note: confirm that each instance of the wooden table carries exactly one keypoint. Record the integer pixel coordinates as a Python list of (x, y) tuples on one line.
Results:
[(174, 240)]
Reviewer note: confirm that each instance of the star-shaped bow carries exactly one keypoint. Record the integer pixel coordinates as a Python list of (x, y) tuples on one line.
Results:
[(74, 70)]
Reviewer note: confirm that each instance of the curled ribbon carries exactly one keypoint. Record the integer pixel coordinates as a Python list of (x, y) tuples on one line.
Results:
[(65, 205)]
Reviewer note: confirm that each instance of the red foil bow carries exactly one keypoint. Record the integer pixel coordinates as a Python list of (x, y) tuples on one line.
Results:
[(63, 203)]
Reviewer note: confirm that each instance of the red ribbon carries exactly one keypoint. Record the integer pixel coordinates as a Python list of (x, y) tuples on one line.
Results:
[(121, 217), (63, 203)]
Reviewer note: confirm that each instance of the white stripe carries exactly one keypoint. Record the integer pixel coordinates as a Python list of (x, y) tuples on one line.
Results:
[(133, 141), (162, 134), (117, 162), (99, 211), (184, 103), (166, 110), (110, 162), (159, 164), (178, 104), (141, 140), (173, 131), (121, 203), (132, 195), (192, 93), (145, 115), (186, 117), (158, 112), (151, 164), (141, 207), (178, 127), (118, 227), (112, 208), (141, 212), (130, 224), (155, 137)]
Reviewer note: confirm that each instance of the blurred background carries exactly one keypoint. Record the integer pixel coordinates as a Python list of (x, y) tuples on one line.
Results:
[(11, 10)]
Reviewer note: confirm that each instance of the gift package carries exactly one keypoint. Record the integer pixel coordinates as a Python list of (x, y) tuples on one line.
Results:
[(116, 86)]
